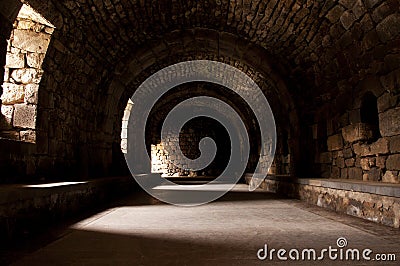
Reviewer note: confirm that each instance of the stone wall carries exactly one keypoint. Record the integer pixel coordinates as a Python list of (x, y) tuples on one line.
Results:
[(360, 150), (188, 141), (26, 50)]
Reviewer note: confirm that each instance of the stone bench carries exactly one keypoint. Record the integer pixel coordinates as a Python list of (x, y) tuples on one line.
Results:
[(24, 207), (374, 201)]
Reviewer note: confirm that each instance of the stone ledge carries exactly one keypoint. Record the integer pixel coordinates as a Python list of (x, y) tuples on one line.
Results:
[(378, 188), (372, 201), (25, 207), (10, 194)]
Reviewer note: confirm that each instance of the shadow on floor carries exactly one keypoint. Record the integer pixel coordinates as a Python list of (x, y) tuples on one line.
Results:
[(27, 241)]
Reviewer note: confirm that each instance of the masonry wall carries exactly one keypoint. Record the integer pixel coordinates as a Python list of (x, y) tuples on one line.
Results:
[(188, 141), (359, 150), (26, 50)]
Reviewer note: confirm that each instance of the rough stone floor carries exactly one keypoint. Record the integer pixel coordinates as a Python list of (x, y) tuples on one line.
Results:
[(230, 231)]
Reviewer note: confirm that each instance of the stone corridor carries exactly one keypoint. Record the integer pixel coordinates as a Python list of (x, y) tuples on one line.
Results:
[(305, 101), (139, 231)]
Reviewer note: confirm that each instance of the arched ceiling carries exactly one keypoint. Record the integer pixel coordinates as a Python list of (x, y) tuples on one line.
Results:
[(313, 44), (316, 52)]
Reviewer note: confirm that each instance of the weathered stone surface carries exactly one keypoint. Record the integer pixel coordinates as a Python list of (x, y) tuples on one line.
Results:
[(374, 174), (343, 173), (395, 144), (391, 81), (26, 75), (356, 132), (393, 162), (31, 93), (389, 122), (28, 13), (365, 164), (340, 162), (386, 101), (335, 13), (12, 93), (381, 146), (381, 161), (347, 19), (389, 27), (31, 41), (335, 172), (359, 9), (34, 60), (390, 177), (335, 142), (24, 116), (349, 162), (7, 112), (355, 173), (347, 153), (28, 135), (15, 60)]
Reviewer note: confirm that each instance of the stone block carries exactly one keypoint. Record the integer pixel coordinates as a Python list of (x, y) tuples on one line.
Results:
[(381, 146), (31, 93), (347, 19), (391, 81), (347, 153), (355, 173), (36, 42), (390, 177), (26, 75), (349, 162), (335, 172), (359, 9), (15, 60), (335, 142), (394, 144), (364, 162), (347, 3), (357, 132), (374, 174), (389, 28), (35, 60), (381, 161), (28, 135), (389, 122), (7, 112), (386, 101), (343, 173), (24, 116), (381, 12), (393, 162), (12, 93), (357, 163), (334, 14), (340, 162)]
